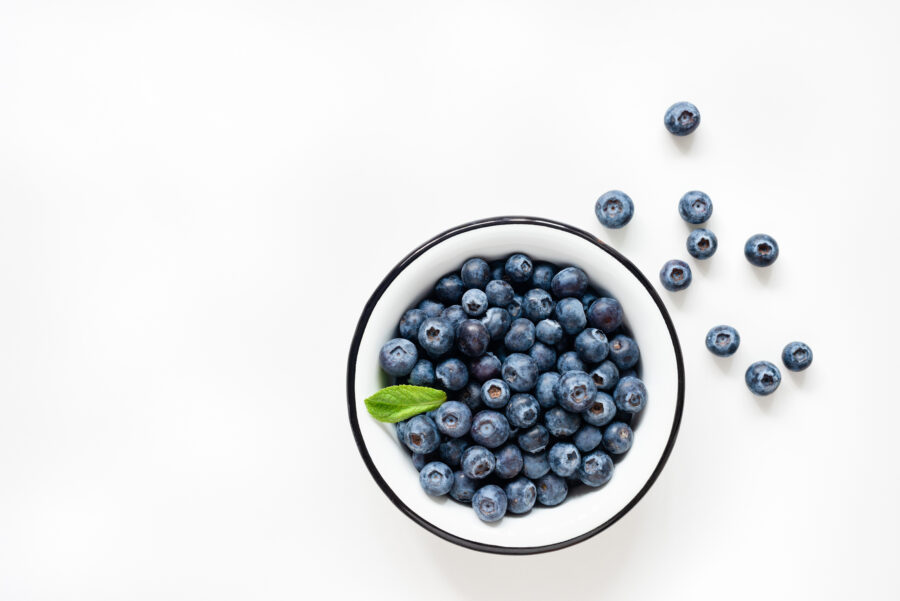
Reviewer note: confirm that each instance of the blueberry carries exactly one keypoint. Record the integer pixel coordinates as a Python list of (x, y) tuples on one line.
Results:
[(485, 367), (591, 345), (516, 307), (499, 293), (400, 428), (421, 435), (575, 391), (453, 419), (410, 322), (601, 411), (495, 393), (702, 243), (614, 209), (762, 378), (569, 313), (695, 207), (420, 460), (474, 302), (522, 411), (431, 308), (472, 338), (675, 275), (561, 423), (564, 459), (475, 273), (489, 429), (436, 336), (520, 372), (455, 315), (463, 488), (477, 462), (596, 469), (761, 250), (548, 331), (470, 395), (538, 304), (569, 361), (451, 451), (605, 314), (587, 438), (497, 321), (520, 336), (449, 289), (489, 503), (630, 394), (534, 440), (436, 478), (551, 490), (497, 271), (624, 352), (570, 282), (605, 375), (509, 462), (723, 341), (535, 465), (542, 276), (422, 373), (545, 390), (519, 267), (452, 374), (797, 356), (618, 437), (682, 118), (521, 495), (398, 356), (543, 355)]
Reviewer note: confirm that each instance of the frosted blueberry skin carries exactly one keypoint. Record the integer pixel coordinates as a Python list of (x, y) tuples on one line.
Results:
[(762, 378), (485, 367), (398, 356), (497, 321), (695, 207), (475, 273), (436, 478), (463, 488), (569, 312), (421, 435), (455, 315), (472, 338), (489, 429), (474, 302), (509, 462), (682, 118), (564, 459), (422, 373), (575, 391), (548, 331), (499, 293), (419, 460), (617, 438), (545, 391), (522, 411), (520, 495), (675, 275), (449, 289), (520, 372), (797, 356), (761, 250), (551, 490), (596, 469), (544, 356), (495, 393), (410, 322), (588, 438), (630, 395), (614, 209), (561, 423), (569, 361), (542, 276), (431, 308), (537, 304), (605, 375), (451, 451), (477, 462), (536, 465), (723, 340), (591, 345), (516, 307), (452, 374), (489, 503), (605, 314), (453, 419), (518, 268), (601, 410), (569, 282), (702, 243), (520, 336), (534, 440), (436, 335), (624, 352), (470, 395)]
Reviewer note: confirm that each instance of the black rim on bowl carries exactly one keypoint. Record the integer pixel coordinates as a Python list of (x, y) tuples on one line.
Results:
[(351, 377)]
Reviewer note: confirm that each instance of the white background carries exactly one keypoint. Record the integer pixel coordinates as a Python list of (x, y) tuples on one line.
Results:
[(196, 199)]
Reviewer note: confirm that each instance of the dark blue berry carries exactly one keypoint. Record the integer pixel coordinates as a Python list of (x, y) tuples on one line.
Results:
[(516, 307), (520, 372), (723, 340), (489, 503), (548, 331), (474, 302), (551, 490), (591, 345), (497, 321), (398, 356), (477, 462), (545, 390), (538, 304), (509, 462), (543, 355), (449, 289), (451, 451), (475, 273), (534, 440), (614, 209), (422, 373), (702, 243), (575, 391), (436, 478), (410, 322), (521, 495), (499, 293), (797, 356), (453, 419), (569, 313), (624, 352), (431, 308), (436, 336), (485, 367), (695, 207), (570, 282), (617, 438), (520, 336), (605, 375), (421, 435), (601, 411), (472, 338), (542, 276), (536, 465), (560, 423), (522, 411), (675, 275), (564, 459), (454, 314), (761, 250), (489, 429), (452, 374), (463, 488), (588, 438), (762, 378), (495, 393), (519, 267), (630, 395), (605, 314), (682, 118), (470, 395), (596, 469)]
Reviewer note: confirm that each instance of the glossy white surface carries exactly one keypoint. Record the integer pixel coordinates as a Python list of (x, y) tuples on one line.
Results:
[(582, 512)]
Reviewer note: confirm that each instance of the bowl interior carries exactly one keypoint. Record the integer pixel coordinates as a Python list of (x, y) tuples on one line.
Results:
[(583, 513)]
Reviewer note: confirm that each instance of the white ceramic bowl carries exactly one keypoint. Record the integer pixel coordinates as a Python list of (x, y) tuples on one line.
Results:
[(580, 516)]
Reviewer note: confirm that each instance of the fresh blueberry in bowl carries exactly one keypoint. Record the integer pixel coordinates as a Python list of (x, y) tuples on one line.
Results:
[(797, 356), (398, 357), (761, 250), (605, 314), (723, 340), (521, 494), (436, 478), (436, 335), (519, 267), (449, 289), (489, 503), (614, 209), (475, 273), (472, 337), (682, 118)]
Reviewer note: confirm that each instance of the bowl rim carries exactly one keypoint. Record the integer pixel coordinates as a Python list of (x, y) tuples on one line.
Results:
[(363, 322)]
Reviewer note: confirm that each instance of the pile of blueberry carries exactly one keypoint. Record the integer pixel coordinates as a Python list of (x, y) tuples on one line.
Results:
[(541, 376), (614, 209)]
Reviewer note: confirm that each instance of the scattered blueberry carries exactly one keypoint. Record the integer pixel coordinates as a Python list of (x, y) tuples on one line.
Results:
[(453, 419), (436, 336), (571, 281), (702, 243), (797, 356), (605, 375), (723, 341), (489, 503), (474, 302), (489, 429), (472, 338), (695, 207), (436, 478), (521, 495), (477, 462), (509, 462), (614, 209), (564, 459), (601, 411), (398, 356), (675, 275), (452, 374), (624, 352), (618, 438), (522, 411), (551, 490), (682, 118), (761, 250), (596, 469), (499, 293), (762, 378), (475, 273)]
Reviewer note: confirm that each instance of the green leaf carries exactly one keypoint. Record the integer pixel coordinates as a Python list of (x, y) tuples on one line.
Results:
[(397, 403)]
